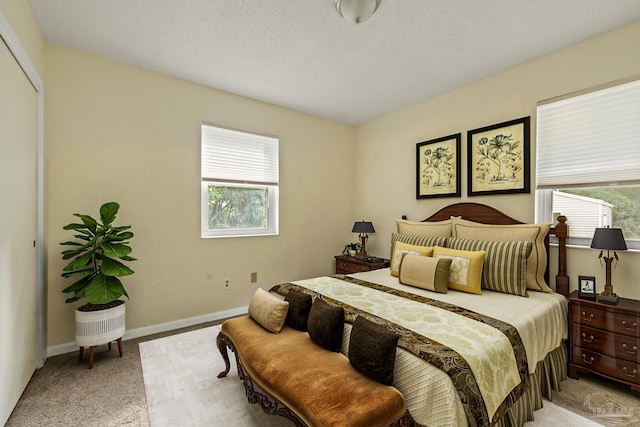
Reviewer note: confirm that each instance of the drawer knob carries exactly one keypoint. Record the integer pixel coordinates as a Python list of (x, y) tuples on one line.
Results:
[(634, 349), (584, 338), (588, 362), (632, 374), (589, 319), (633, 327)]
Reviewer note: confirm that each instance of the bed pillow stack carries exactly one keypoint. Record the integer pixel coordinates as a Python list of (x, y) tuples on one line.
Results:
[(535, 233)]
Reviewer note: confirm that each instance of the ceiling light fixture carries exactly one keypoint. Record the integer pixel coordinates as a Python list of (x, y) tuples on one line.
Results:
[(357, 11)]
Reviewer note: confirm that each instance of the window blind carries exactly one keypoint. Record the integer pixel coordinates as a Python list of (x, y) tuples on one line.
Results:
[(238, 157), (591, 139)]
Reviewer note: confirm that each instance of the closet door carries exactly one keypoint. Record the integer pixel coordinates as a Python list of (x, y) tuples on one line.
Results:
[(18, 125)]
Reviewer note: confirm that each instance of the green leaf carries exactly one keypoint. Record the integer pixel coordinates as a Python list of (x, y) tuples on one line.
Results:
[(81, 261), (72, 299), (128, 258), (74, 226), (115, 250), (71, 243), (111, 267), (120, 237), (72, 253), (108, 212), (87, 220), (85, 272), (78, 286), (103, 289)]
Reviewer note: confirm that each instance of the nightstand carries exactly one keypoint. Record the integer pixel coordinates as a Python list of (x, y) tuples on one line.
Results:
[(348, 264), (604, 339)]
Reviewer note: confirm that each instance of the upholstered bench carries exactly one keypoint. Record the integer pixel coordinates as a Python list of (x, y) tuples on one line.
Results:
[(290, 375)]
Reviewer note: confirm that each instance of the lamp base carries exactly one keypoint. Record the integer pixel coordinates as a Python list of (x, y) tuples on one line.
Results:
[(608, 299)]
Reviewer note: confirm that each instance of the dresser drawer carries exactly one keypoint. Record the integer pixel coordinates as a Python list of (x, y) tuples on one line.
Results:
[(614, 345), (343, 267), (617, 322), (616, 368)]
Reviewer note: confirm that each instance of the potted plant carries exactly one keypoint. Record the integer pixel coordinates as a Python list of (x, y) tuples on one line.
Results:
[(96, 258), (351, 249)]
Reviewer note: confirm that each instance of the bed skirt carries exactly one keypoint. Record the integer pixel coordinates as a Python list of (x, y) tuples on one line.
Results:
[(549, 373)]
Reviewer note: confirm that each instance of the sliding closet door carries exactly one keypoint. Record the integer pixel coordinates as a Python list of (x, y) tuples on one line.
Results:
[(18, 125)]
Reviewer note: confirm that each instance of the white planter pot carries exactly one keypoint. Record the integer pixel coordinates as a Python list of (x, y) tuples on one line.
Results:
[(99, 327)]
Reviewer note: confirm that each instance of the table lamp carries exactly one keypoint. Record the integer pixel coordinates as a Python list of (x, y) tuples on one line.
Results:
[(363, 227), (609, 239)]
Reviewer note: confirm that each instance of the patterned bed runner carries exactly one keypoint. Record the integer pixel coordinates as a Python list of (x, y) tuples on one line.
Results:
[(487, 362)]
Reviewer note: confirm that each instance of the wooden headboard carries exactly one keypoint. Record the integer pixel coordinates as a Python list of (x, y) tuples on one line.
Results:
[(484, 214)]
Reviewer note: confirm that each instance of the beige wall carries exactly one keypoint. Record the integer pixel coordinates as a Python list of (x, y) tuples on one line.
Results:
[(115, 132), (24, 24), (388, 144)]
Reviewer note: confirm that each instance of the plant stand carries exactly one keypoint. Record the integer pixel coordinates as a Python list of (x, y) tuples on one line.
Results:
[(95, 328)]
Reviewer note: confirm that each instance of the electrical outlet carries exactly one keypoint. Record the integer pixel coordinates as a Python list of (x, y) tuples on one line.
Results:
[(254, 277), (227, 284)]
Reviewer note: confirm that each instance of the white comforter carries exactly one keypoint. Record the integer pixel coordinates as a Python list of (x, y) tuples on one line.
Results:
[(541, 320)]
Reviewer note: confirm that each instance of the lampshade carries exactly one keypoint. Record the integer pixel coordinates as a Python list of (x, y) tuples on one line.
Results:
[(357, 11), (363, 227), (608, 239)]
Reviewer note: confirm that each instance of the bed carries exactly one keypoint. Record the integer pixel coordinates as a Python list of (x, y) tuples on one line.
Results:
[(525, 329)]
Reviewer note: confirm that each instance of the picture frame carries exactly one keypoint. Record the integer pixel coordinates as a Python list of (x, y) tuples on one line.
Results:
[(499, 158), (438, 167), (587, 287)]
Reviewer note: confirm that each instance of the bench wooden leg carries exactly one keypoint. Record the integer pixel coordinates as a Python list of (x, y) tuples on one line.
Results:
[(120, 346), (80, 354), (221, 340)]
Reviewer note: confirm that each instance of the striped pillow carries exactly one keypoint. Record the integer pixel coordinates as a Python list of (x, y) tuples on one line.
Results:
[(505, 263), (418, 240)]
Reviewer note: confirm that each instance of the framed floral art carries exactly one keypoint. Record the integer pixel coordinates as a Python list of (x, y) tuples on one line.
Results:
[(438, 167), (498, 158)]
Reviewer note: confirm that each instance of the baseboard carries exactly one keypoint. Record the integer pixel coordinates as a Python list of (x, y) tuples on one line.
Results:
[(70, 347)]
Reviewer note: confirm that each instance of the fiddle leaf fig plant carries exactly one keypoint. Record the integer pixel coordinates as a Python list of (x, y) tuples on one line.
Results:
[(96, 257)]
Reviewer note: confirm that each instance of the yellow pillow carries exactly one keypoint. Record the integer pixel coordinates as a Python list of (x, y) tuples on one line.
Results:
[(465, 273), (400, 248)]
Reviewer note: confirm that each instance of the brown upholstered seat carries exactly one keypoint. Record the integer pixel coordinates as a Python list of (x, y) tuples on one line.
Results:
[(320, 386)]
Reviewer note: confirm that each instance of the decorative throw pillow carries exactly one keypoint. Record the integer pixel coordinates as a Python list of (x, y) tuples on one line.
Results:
[(268, 310), (505, 264), (424, 228), (417, 240), (372, 350), (400, 248), (465, 273), (326, 325), (425, 272), (299, 306), (537, 261)]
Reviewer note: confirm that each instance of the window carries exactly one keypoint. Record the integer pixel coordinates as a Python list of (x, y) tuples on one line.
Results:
[(239, 183), (588, 157)]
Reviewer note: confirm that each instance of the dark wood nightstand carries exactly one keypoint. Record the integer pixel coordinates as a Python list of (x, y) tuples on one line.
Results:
[(348, 264), (605, 339)]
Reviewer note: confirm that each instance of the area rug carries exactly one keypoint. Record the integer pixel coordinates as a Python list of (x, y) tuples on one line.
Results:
[(180, 378)]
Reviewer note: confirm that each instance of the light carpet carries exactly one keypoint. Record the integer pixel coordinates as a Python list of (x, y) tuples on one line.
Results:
[(180, 379)]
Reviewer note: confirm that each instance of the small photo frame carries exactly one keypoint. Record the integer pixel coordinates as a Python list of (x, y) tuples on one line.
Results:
[(587, 287)]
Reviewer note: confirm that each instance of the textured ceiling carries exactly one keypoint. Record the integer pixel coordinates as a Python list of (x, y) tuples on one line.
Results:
[(302, 55)]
